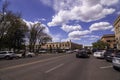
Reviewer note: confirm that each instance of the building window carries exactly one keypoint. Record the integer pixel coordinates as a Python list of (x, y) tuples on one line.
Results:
[(108, 41), (114, 40)]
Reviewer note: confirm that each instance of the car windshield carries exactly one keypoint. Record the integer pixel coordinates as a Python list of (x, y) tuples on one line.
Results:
[(10, 52)]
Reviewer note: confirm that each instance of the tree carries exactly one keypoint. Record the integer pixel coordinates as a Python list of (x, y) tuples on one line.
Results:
[(100, 45), (12, 29), (43, 38), (3, 23), (32, 36), (37, 34), (35, 29)]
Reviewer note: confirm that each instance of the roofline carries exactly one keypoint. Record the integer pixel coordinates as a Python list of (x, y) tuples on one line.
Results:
[(117, 20), (108, 35)]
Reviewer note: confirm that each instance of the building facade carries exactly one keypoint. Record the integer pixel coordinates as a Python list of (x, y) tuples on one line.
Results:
[(88, 47), (110, 39), (117, 32), (62, 45)]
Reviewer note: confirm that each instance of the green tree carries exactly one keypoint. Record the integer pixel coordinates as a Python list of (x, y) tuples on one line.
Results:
[(43, 38), (37, 34), (4, 24), (12, 29), (100, 45)]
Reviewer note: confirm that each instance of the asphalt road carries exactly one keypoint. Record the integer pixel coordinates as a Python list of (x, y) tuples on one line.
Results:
[(57, 67)]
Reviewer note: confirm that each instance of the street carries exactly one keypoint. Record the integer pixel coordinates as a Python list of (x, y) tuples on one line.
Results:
[(57, 67)]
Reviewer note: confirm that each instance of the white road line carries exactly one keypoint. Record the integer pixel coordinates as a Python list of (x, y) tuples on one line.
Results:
[(106, 67), (56, 67)]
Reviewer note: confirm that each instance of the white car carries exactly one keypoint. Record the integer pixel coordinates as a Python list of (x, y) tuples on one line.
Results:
[(7, 54), (18, 55), (116, 61), (99, 54), (69, 52), (30, 54)]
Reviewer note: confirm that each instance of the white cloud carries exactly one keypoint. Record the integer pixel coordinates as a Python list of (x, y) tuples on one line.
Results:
[(64, 40), (83, 10), (29, 23), (109, 2), (112, 29), (47, 2), (76, 35), (42, 19), (59, 19), (46, 28), (100, 26), (69, 28), (56, 37), (61, 4), (118, 12), (92, 37)]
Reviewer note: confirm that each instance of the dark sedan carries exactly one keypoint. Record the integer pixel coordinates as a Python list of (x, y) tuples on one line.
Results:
[(116, 61), (82, 54), (109, 55)]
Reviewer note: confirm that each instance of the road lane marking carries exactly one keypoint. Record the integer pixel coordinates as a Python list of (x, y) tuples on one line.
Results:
[(30, 63), (56, 67), (106, 67)]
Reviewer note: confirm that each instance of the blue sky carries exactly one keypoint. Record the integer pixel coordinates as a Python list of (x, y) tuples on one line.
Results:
[(81, 21)]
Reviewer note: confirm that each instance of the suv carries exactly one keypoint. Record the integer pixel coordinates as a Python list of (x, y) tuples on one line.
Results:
[(7, 54)]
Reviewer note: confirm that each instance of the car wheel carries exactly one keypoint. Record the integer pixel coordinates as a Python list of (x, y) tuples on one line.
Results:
[(116, 68), (29, 55), (17, 57), (76, 56), (7, 57)]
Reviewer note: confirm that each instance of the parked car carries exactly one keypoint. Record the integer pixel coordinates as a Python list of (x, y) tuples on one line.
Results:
[(69, 51), (42, 51), (109, 54), (89, 51), (18, 55), (99, 54), (116, 61), (7, 54), (29, 54), (82, 54)]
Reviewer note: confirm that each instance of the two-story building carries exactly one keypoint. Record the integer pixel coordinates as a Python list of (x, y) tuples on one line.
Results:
[(109, 39), (117, 32), (62, 45)]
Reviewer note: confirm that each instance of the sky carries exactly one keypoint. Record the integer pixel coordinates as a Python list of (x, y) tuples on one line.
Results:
[(81, 21)]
